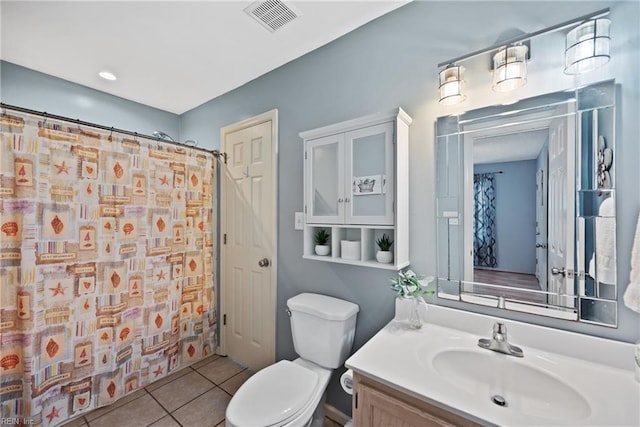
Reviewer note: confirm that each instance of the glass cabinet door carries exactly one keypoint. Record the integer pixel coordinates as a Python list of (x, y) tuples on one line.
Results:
[(369, 175), (325, 176)]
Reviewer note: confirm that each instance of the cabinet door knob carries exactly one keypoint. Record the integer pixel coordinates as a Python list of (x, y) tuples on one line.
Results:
[(347, 200), (340, 200)]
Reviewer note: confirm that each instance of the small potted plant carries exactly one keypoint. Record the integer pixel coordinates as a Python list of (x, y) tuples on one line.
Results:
[(384, 254), (321, 237), (411, 287)]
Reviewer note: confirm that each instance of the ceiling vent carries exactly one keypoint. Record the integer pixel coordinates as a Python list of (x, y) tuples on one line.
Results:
[(272, 14)]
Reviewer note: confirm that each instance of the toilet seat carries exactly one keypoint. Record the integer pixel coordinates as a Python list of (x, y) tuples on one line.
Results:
[(273, 396)]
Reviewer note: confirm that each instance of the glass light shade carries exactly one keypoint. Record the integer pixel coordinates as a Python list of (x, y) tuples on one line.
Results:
[(510, 68), (587, 46), (451, 85)]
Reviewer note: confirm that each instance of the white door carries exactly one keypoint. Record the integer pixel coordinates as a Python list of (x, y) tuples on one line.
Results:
[(561, 208), (541, 228), (248, 226)]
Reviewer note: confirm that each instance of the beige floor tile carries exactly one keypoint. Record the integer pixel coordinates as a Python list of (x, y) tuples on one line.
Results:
[(220, 370), (168, 379), (233, 384), (140, 412), (180, 391), (328, 422), (78, 422), (118, 403), (205, 361), (165, 422), (205, 411)]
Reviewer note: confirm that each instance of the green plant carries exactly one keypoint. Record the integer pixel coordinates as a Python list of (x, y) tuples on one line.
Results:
[(384, 242), (409, 285), (321, 236)]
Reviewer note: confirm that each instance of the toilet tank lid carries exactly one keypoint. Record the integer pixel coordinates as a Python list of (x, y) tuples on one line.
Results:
[(323, 306)]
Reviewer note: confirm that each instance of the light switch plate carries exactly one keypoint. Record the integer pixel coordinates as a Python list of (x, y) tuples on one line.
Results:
[(299, 220)]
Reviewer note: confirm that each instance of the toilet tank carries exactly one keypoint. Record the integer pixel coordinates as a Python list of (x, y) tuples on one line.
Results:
[(323, 328)]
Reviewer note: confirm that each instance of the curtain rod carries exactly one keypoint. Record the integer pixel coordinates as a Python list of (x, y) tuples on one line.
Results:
[(79, 122), (488, 173), (523, 37)]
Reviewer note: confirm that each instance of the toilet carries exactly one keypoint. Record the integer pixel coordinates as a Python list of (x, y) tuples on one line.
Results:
[(288, 393)]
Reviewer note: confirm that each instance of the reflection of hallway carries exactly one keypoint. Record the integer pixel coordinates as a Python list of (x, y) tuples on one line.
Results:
[(514, 281)]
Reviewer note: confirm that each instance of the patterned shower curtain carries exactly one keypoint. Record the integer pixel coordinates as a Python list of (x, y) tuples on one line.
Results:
[(106, 265), (484, 220)]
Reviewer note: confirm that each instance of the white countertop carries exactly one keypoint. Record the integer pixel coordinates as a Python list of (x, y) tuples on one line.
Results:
[(599, 370)]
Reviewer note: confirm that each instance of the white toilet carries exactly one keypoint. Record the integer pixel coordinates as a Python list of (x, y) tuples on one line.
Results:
[(288, 392)]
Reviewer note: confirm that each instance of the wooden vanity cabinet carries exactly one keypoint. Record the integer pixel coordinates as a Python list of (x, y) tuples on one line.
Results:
[(378, 405)]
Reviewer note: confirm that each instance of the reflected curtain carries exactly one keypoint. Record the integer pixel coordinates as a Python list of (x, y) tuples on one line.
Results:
[(484, 220), (106, 265)]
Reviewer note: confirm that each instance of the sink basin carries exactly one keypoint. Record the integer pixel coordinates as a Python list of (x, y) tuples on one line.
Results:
[(564, 378), (525, 388)]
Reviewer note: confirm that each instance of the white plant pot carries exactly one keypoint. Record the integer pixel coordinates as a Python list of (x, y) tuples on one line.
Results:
[(323, 250), (384, 257)]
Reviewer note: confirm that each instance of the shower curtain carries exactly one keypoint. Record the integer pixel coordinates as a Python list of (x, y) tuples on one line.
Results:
[(106, 265), (484, 220)]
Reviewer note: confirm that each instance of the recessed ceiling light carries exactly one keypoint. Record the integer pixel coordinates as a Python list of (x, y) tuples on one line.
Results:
[(107, 75)]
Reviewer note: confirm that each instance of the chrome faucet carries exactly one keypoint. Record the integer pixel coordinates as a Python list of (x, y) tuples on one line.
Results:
[(499, 342)]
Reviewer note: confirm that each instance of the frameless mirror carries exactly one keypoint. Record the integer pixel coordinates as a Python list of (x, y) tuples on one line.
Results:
[(526, 205)]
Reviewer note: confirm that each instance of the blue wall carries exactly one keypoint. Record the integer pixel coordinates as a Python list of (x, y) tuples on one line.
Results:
[(515, 214), (22, 87)]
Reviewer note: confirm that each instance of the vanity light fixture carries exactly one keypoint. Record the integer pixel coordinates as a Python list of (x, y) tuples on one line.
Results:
[(451, 85), (510, 68), (587, 46)]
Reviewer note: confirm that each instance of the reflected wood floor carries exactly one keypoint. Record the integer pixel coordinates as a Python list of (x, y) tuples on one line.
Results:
[(515, 281)]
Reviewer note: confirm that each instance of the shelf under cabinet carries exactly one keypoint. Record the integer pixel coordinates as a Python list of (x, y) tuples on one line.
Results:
[(374, 264)]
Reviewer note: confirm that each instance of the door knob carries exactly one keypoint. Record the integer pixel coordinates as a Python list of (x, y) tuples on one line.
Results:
[(541, 245), (555, 270), (264, 262)]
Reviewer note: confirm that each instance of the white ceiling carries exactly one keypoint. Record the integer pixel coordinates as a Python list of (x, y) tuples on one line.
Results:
[(171, 55), (511, 147)]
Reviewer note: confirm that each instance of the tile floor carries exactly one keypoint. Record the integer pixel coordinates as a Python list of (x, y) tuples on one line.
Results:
[(196, 396)]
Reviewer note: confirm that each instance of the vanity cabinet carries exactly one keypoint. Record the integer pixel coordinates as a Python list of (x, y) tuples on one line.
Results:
[(356, 187), (375, 404)]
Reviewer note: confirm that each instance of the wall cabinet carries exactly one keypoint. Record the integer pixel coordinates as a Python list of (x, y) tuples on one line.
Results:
[(356, 183), (375, 404)]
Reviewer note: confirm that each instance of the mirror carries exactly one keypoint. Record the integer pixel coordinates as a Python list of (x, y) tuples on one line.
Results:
[(526, 205), (324, 158)]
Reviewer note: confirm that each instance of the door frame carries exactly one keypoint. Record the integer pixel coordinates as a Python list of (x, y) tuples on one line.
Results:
[(271, 115)]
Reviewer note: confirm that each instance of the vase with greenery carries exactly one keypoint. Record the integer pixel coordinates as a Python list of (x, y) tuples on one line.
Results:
[(321, 237), (384, 254), (409, 286)]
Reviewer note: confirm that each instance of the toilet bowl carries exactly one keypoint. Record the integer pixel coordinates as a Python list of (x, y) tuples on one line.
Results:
[(285, 394), (288, 393)]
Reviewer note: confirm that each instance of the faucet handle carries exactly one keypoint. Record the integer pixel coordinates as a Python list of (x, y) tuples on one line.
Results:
[(499, 328)]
